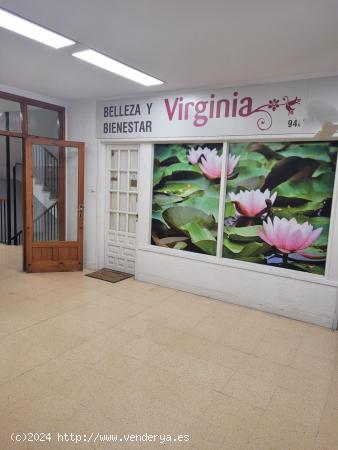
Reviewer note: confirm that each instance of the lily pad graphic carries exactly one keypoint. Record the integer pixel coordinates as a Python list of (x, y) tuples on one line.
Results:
[(185, 200), (288, 188)]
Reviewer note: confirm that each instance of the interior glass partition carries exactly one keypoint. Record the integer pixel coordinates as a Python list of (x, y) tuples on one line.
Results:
[(11, 189), (10, 115), (20, 118), (43, 122)]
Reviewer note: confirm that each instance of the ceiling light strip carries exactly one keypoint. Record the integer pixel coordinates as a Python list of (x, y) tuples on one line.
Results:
[(110, 64), (30, 30)]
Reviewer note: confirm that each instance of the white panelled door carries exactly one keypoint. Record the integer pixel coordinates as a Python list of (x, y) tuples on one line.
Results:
[(121, 201)]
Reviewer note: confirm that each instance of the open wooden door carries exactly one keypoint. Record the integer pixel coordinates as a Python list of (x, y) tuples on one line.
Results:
[(53, 228)]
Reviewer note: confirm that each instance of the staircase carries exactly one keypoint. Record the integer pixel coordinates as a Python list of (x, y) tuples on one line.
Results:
[(45, 189), (45, 169)]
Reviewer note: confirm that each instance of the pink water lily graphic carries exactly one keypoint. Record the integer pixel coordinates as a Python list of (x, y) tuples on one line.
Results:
[(289, 236), (232, 163), (194, 155), (253, 203), (211, 165), (210, 162)]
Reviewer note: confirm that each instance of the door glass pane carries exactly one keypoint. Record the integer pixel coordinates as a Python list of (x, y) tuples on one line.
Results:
[(43, 122), (55, 193), (132, 202), (131, 223), (123, 202), (133, 181), (112, 221), (113, 201), (122, 222), (113, 161), (113, 180), (71, 207), (123, 181), (10, 116), (123, 160), (133, 160)]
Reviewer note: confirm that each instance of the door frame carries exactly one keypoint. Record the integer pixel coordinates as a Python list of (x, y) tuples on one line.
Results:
[(27, 219), (24, 134), (101, 197), (124, 146), (24, 103)]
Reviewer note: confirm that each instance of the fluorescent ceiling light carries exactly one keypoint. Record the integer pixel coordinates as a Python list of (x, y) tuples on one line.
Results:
[(110, 64), (31, 30)]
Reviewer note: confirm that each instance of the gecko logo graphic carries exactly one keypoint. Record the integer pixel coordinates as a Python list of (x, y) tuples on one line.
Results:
[(201, 111)]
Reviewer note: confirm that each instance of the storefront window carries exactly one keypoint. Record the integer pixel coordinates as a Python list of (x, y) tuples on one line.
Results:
[(186, 192), (278, 199), (278, 204)]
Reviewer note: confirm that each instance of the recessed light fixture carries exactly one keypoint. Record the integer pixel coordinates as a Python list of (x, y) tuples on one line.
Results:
[(31, 30), (110, 64)]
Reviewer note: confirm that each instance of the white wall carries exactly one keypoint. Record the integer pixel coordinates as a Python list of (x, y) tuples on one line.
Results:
[(300, 296), (302, 300), (34, 95), (81, 127)]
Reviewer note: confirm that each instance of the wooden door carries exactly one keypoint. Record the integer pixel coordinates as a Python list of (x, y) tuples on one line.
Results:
[(121, 201), (53, 228)]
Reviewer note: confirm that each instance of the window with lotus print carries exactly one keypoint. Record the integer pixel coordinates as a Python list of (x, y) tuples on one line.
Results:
[(186, 194), (278, 203)]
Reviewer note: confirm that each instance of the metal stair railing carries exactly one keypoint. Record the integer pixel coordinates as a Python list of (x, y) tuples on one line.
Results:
[(46, 170), (45, 226), (3, 221)]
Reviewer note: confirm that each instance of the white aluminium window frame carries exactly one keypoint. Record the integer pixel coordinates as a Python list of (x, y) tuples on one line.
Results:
[(331, 266)]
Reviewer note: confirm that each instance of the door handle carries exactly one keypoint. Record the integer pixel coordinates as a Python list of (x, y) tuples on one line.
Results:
[(81, 208)]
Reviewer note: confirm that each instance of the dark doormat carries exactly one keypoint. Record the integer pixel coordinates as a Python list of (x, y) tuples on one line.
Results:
[(113, 276)]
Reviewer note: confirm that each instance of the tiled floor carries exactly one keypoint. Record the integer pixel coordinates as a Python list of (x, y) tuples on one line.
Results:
[(78, 355)]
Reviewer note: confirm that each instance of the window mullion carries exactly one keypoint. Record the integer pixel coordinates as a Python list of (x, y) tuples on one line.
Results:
[(222, 196)]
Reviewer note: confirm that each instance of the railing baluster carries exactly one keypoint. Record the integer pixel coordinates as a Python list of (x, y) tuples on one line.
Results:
[(49, 226), (3, 221)]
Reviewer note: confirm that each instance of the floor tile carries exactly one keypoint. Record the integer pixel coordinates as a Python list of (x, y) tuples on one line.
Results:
[(82, 355), (253, 391)]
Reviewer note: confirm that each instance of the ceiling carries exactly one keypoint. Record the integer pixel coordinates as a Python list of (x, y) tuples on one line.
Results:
[(186, 43)]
